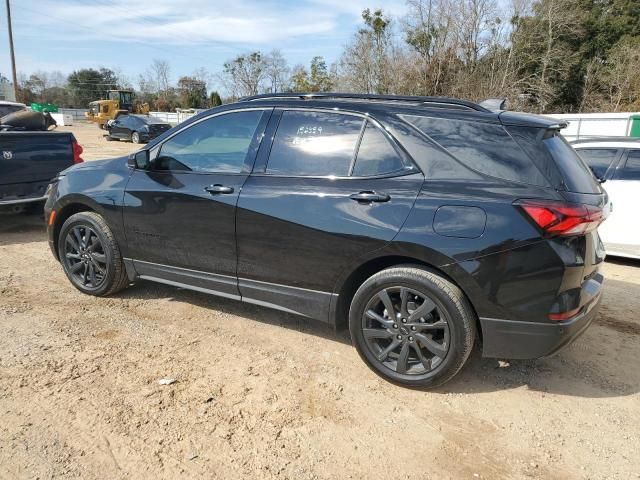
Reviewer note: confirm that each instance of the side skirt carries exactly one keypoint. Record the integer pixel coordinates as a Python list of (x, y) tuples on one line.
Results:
[(298, 301)]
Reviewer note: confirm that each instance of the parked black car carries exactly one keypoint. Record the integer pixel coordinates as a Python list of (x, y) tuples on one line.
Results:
[(136, 128), (422, 223)]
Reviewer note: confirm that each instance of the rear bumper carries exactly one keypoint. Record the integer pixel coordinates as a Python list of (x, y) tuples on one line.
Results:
[(525, 340)]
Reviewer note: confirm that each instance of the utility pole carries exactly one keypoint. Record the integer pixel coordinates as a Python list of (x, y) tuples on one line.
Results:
[(13, 55)]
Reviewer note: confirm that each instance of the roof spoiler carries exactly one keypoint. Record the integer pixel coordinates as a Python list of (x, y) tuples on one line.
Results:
[(494, 104)]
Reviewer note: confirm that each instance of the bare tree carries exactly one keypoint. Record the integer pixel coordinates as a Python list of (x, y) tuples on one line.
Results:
[(160, 74), (244, 74), (277, 72), (622, 75)]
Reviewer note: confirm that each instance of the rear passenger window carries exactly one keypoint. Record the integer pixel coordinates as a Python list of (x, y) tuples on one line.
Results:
[(314, 144), (631, 170), (598, 159), (376, 155), (484, 147)]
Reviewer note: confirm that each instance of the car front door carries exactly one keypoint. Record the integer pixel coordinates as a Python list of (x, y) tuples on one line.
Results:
[(179, 214), (621, 231), (119, 128), (329, 189)]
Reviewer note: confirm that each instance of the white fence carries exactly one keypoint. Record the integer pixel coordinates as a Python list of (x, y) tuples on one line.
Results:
[(76, 113), (586, 125), (170, 117), (176, 117), (581, 125)]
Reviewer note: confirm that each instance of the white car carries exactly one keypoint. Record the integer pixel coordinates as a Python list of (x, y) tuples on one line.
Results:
[(616, 161)]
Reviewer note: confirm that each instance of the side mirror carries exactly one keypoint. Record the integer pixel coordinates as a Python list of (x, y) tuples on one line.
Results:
[(139, 160)]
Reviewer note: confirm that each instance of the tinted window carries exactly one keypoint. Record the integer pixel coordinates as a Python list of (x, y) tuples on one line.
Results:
[(631, 170), (124, 122), (314, 144), (575, 173), (218, 144), (485, 147), (598, 159), (376, 155), (7, 109)]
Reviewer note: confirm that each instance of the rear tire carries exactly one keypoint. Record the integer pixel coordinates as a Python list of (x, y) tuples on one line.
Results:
[(135, 137), (427, 337), (90, 255)]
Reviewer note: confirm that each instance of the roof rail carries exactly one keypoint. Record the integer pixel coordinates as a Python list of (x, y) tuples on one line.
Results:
[(437, 102)]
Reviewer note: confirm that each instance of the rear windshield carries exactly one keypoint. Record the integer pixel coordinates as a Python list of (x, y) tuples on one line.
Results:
[(576, 174), (484, 147)]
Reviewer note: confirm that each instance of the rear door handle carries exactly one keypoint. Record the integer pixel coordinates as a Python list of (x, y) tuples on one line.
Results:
[(217, 188), (370, 196)]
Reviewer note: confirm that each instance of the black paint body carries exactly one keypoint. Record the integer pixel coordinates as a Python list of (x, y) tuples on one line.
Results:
[(302, 245)]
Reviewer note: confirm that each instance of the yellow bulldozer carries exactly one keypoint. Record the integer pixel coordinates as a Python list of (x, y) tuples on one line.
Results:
[(118, 102)]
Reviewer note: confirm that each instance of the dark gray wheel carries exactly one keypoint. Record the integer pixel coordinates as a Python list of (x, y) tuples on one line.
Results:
[(90, 255), (411, 326), (135, 137)]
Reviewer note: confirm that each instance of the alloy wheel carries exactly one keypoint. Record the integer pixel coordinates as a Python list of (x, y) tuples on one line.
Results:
[(84, 257), (406, 330)]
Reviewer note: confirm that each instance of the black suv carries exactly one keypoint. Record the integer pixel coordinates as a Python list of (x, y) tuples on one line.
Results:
[(422, 223)]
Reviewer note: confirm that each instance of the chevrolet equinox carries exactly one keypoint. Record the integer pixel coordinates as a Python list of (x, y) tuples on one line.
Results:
[(422, 223)]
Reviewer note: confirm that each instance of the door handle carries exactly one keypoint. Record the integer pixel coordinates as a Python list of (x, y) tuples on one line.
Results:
[(217, 188), (370, 196)]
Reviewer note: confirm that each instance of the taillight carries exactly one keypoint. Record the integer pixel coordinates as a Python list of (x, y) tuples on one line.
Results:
[(77, 151), (558, 317), (559, 218)]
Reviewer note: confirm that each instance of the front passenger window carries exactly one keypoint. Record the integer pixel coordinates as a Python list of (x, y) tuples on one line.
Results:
[(218, 144)]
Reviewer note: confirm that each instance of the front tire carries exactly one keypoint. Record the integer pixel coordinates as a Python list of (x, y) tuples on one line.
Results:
[(135, 137), (412, 327), (90, 255)]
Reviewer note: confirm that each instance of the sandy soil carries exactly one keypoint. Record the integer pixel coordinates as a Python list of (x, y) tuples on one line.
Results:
[(262, 394), (95, 145)]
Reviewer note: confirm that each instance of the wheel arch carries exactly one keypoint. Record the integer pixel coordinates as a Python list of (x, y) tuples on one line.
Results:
[(62, 215), (348, 287)]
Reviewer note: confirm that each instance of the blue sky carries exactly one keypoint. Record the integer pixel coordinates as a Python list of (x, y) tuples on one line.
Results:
[(126, 35)]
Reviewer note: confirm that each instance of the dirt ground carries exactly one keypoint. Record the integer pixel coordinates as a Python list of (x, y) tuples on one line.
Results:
[(262, 394), (95, 145)]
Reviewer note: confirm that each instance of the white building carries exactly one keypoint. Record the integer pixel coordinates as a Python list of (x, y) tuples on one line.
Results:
[(6, 92)]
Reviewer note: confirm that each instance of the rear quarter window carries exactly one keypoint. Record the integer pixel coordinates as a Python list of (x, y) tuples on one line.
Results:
[(484, 147), (576, 174), (376, 155)]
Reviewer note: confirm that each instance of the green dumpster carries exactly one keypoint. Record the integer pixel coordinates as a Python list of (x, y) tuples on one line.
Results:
[(44, 107), (634, 129)]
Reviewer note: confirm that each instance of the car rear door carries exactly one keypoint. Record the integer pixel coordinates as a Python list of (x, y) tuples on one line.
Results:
[(180, 214), (621, 232), (330, 188)]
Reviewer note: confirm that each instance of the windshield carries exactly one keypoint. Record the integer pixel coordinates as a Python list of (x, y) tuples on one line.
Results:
[(125, 97)]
